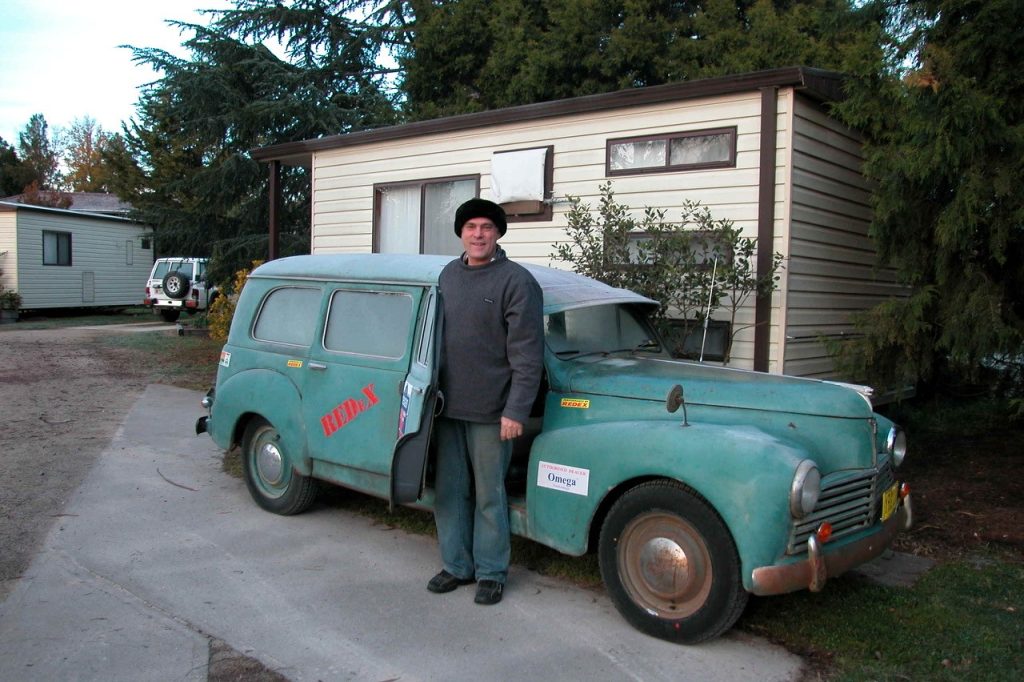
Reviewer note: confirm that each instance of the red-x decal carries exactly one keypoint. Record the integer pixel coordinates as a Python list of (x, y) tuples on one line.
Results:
[(348, 410)]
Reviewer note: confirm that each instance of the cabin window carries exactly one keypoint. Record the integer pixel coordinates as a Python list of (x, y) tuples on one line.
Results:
[(289, 315), (522, 182), (703, 250), (417, 217), (681, 151), (56, 248), (370, 323)]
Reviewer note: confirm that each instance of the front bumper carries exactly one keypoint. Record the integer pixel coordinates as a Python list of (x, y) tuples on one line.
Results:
[(818, 567)]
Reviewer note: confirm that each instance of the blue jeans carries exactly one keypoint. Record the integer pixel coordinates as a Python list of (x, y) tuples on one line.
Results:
[(471, 505)]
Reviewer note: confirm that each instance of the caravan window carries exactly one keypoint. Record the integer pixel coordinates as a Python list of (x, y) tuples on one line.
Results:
[(680, 151), (56, 248), (416, 217)]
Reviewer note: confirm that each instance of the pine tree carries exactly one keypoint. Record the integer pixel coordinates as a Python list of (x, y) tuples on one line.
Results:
[(944, 126), (184, 162), (37, 152)]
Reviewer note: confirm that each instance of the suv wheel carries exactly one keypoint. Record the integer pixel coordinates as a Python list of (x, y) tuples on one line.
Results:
[(176, 285)]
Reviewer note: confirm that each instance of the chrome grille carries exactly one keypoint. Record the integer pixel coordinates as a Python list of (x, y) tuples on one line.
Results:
[(850, 502)]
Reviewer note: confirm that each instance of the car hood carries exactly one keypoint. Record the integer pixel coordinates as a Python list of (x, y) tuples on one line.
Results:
[(650, 379)]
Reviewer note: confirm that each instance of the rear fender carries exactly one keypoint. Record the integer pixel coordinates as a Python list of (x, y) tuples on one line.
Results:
[(745, 474), (267, 394)]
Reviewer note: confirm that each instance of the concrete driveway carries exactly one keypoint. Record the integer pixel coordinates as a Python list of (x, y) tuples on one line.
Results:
[(159, 551)]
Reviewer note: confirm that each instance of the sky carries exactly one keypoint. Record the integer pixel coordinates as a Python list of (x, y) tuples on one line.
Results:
[(60, 58)]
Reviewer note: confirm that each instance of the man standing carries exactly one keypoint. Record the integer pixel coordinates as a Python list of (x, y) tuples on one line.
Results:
[(491, 365)]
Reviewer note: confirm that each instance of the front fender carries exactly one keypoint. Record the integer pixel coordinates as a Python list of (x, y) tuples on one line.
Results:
[(268, 394), (743, 472)]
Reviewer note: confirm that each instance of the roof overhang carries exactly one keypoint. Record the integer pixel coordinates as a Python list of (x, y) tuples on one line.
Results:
[(819, 85)]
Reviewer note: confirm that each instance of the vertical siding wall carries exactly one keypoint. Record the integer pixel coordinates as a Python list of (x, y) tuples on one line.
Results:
[(98, 246), (343, 179), (831, 271)]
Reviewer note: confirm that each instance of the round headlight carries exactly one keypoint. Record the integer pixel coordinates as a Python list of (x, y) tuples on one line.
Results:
[(896, 445), (806, 488)]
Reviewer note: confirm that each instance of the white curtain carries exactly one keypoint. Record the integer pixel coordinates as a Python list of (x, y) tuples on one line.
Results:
[(441, 199), (399, 227)]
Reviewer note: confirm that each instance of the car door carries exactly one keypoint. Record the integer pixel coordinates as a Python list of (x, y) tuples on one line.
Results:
[(419, 399), (356, 374)]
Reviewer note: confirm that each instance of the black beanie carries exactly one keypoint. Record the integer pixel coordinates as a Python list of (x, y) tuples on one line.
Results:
[(480, 208)]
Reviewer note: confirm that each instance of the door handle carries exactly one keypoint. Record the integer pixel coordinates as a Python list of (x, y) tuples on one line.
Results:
[(318, 366)]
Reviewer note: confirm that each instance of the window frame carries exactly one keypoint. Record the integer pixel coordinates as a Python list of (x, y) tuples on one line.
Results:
[(379, 187), (59, 235), (634, 237), (668, 167)]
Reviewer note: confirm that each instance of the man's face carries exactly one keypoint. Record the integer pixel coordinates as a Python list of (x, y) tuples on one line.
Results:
[(480, 240)]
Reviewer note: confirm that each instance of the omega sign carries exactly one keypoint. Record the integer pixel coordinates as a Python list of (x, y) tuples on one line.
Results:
[(565, 478)]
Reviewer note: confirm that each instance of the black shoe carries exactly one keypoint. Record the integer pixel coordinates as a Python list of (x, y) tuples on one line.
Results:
[(446, 582), (489, 592)]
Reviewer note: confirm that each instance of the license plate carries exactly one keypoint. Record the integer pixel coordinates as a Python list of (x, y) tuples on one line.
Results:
[(889, 499)]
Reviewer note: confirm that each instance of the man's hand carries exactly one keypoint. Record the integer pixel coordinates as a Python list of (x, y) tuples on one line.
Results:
[(510, 429)]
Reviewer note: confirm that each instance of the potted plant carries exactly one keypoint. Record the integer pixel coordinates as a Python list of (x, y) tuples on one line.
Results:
[(10, 303)]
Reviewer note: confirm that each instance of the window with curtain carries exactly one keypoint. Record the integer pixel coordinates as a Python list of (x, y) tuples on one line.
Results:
[(690, 150), (416, 217)]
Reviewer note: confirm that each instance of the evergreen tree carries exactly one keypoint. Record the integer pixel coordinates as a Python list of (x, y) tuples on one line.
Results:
[(15, 175), (944, 126), (472, 55), (184, 162), (37, 152)]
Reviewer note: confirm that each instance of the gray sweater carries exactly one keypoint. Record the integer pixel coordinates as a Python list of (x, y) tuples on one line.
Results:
[(493, 352)]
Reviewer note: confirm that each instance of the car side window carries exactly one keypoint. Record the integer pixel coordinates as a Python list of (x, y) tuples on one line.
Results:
[(370, 323), (288, 315)]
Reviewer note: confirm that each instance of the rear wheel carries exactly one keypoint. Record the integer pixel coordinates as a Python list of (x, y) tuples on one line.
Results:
[(670, 564), (270, 473), (170, 314)]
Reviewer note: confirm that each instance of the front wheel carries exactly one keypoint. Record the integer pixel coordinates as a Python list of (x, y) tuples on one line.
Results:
[(270, 474), (670, 564)]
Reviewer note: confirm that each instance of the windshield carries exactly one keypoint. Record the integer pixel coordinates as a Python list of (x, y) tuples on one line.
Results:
[(599, 329)]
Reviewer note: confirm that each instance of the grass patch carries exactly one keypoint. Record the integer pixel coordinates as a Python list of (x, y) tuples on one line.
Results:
[(183, 361), (961, 621), (79, 317)]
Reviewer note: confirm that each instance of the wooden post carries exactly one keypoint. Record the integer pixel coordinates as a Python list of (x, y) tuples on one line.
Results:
[(275, 210)]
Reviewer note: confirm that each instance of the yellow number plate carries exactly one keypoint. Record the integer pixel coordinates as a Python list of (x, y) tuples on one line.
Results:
[(889, 499)]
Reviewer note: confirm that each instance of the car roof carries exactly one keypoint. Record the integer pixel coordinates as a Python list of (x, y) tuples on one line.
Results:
[(563, 289)]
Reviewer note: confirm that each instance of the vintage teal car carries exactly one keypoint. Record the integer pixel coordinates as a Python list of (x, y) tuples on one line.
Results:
[(696, 485)]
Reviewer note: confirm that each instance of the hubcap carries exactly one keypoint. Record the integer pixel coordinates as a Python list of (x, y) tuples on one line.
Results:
[(665, 565), (269, 462)]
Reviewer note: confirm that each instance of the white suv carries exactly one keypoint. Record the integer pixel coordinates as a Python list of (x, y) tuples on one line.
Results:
[(177, 284)]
